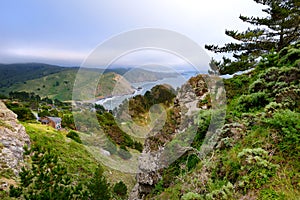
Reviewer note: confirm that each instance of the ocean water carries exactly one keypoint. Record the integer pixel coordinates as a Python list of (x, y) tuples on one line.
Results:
[(176, 82)]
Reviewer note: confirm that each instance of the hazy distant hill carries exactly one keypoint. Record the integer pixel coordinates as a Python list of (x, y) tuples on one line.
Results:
[(60, 85), (13, 73), (57, 82), (140, 75)]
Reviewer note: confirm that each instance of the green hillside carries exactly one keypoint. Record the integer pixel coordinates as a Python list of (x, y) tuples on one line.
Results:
[(57, 82), (18, 73), (60, 85)]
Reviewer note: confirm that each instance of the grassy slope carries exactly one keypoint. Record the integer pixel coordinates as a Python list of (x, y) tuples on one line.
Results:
[(58, 82), (13, 73), (60, 85), (76, 157)]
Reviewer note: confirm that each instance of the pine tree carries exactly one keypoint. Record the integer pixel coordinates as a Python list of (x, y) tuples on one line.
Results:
[(277, 30), (45, 179), (98, 186)]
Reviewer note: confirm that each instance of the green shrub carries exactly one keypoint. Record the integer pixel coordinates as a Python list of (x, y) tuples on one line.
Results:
[(159, 187), (68, 121), (257, 86), (24, 113), (74, 136), (289, 97), (272, 107), (252, 101), (98, 186), (287, 123), (45, 179), (256, 170), (120, 189)]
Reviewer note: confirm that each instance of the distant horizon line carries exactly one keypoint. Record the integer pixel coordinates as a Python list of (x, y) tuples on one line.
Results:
[(100, 67)]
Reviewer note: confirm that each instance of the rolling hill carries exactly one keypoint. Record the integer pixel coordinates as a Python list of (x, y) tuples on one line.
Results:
[(17, 73), (60, 85), (57, 82)]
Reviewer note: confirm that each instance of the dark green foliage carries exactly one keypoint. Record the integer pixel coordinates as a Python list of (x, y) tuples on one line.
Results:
[(191, 162), (99, 187), (277, 30), (68, 121), (120, 189), (252, 101), (138, 146), (236, 86), (45, 179), (23, 112), (74, 136), (47, 100), (13, 73), (25, 96), (3, 96), (99, 109), (44, 113), (287, 123)]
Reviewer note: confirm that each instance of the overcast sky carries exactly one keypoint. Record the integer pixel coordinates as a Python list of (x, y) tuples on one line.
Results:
[(65, 32)]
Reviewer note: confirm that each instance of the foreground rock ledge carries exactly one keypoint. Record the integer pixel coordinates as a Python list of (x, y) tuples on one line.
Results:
[(13, 138)]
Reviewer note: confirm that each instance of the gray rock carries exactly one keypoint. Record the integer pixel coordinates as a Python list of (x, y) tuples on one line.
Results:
[(13, 138), (151, 162)]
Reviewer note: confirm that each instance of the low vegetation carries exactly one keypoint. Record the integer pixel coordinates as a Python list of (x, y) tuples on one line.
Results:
[(259, 161)]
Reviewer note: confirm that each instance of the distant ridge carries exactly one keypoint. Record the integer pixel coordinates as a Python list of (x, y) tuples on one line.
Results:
[(20, 72), (57, 82)]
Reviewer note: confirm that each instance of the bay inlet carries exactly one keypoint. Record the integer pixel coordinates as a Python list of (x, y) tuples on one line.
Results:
[(141, 88)]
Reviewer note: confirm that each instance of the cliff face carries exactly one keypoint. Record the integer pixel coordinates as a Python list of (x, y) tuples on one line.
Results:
[(157, 154), (12, 140)]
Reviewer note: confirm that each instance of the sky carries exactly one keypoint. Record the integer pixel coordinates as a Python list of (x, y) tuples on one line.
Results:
[(65, 32)]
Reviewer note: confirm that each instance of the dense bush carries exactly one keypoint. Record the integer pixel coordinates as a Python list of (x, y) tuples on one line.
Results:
[(46, 179), (68, 121), (98, 186), (120, 189), (74, 136), (257, 86), (252, 101), (256, 170), (287, 123), (24, 113)]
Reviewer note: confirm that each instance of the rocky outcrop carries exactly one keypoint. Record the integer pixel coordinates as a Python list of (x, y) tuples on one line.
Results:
[(12, 140), (158, 153)]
